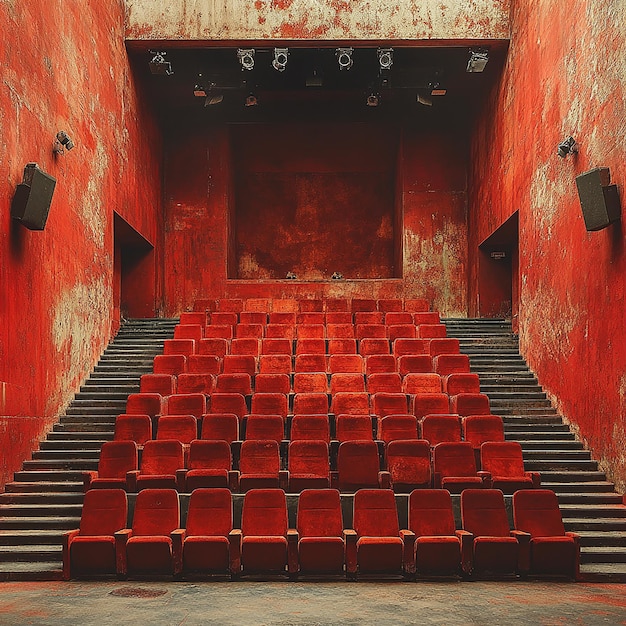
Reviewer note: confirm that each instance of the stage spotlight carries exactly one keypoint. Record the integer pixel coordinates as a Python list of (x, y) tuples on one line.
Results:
[(291, 276), (246, 58), (344, 58), (158, 64), (213, 98), (568, 146), (251, 101), (281, 56), (199, 89), (62, 142), (437, 90), (427, 102), (385, 58), (337, 276), (373, 100), (477, 61)]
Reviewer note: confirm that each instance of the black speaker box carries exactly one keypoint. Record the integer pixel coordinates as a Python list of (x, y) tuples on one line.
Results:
[(599, 200), (31, 202)]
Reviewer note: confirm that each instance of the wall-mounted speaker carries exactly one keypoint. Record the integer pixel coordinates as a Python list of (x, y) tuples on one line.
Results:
[(31, 202), (599, 200)]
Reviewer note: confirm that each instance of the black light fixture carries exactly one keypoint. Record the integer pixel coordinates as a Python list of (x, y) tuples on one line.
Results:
[(246, 58), (344, 58), (251, 101), (424, 100), (567, 146), (291, 276), (385, 58), (337, 276), (281, 56), (478, 59), (199, 89), (436, 89), (158, 65), (373, 100), (62, 142)]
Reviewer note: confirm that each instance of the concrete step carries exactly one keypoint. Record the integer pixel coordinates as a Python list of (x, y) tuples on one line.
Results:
[(590, 538), (39, 523), (584, 511), (602, 554), (560, 476), (67, 454), (41, 510), (101, 397), (31, 571), (541, 446), (47, 486), (31, 537), (603, 524), (590, 498), (61, 464), (573, 487), (43, 497), (32, 476), (557, 455), (538, 436), (86, 445), (31, 553), (551, 464)]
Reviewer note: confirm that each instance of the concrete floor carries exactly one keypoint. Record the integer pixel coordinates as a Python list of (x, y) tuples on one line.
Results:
[(299, 604)]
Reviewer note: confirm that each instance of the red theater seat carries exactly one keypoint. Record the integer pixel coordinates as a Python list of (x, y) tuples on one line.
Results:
[(384, 404), (285, 305), (270, 404), (380, 546), (253, 317), (310, 428), (340, 331), (272, 383), (427, 331), (353, 428), (408, 463), (371, 331), (215, 346), (259, 466), (338, 317), (246, 346), (116, 459), (423, 382), (426, 317), (276, 346), (264, 532), (249, 331), (455, 384), (196, 383), (268, 427), (163, 384), (505, 462), (350, 403), (209, 465), (154, 544), (470, 404), (275, 364), (404, 345), (315, 305), (179, 346), (495, 548), (401, 331), (308, 318), (358, 467), (160, 465), (152, 404), (394, 318), (220, 427), (423, 404), (188, 331), (369, 347), (454, 467), (414, 364), (365, 318), (183, 428), (444, 345), (441, 428), (92, 548), (551, 551), (257, 304), (173, 364), (137, 428), (308, 465), (345, 364), (310, 404), (394, 427), (311, 363), (283, 317), (310, 382), (310, 331), (218, 331), (347, 383), (380, 363), (193, 317), (229, 403), (342, 346), (226, 318), (311, 346), (480, 428), (204, 364), (321, 546), (234, 383), (446, 364), (387, 382), (280, 331), (239, 364), (210, 546), (390, 305), (437, 543), (363, 304), (187, 404)]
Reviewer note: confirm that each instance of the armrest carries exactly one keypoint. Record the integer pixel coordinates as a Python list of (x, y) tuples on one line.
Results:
[(233, 480), (283, 479), (178, 537), (384, 480), (131, 480), (408, 551), (436, 480), (523, 559), (485, 477), (292, 551), (576, 538), (88, 476), (121, 537), (181, 479), (350, 539), (467, 550), (334, 479), (536, 478), (67, 540), (234, 546)]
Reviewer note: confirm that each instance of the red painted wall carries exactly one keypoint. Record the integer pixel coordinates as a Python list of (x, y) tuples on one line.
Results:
[(64, 66), (565, 75)]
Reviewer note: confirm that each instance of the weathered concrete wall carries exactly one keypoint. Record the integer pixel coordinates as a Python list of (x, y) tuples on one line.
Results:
[(331, 20), (565, 75), (64, 66)]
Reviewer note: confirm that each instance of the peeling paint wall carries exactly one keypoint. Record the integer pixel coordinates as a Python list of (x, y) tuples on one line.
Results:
[(333, 20), (565, 75), (64, 66)]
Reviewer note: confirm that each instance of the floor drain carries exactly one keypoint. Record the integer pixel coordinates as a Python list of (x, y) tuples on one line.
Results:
[(137, 592)]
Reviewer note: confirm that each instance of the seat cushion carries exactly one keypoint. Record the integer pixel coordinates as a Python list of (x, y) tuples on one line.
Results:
[(495, 554), (206, 554), (379, 554), (199, 478), (321, 554), (553, 555), (264, 554), (149, 554), (438, 555), (91, 555)]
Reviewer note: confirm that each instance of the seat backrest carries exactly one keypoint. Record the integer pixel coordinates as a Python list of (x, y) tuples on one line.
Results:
[(375, 363), (483, 513), (430, 513), (311, 331), (245, 346), (423, 382), (408, 346), (270, 404), (187, 404), (375, 513), (408, 461), (397, 331), (340, 331), (470, 404), (253, 317), (195, 383), (137, 428), (276, 346), (444, 345), (347, 383), (270, 427), (183, 428), (239, 363), (163, 384), (346, 364), (151, 404), (319, 513), (503, 459), (358, 463), (446, 364), (310, 403), (441, 428), (414, 364), (309, 457), (229, 403), (310, 382), (397, 427), (338, 317), (272, 383), (431, 330), (210, 454), (454, 459), (536, 511), (220, 426), (238, 382), (311, 346), (461, 383), (117, 458), (169, 364), (188, 331), (104, 512), (193, 317), (356, 403), (204, 364), (342, 346), (310, 428), (372, 346), (162, 457), (179, 346), (264, 513), (384, 404), (430, 403), (259, 457), (210, 513), (480, 428), (275, 364), (386, 382), (368, 317), (249, 331), (398, 317), (353, 427), (213, 346), (157, 512)]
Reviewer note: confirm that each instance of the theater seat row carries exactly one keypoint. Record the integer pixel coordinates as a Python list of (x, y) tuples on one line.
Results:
[(156, 544)]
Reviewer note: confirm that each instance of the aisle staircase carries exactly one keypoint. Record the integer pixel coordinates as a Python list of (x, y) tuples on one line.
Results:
[(45, 498), (588, 501)]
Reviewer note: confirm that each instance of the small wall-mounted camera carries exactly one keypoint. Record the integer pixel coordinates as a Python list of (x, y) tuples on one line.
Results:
[(62, 142)]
